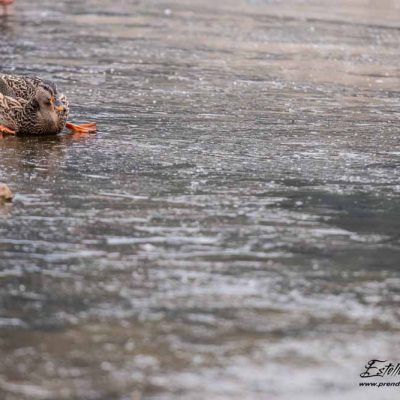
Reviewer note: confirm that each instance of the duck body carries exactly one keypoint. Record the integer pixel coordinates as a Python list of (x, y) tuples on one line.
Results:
[(31, 106)]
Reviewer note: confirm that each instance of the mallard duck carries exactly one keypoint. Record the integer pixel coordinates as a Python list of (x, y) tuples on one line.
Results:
[(32, 106)]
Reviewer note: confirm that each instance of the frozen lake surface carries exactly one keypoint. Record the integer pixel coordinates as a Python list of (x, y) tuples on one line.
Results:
[(232, 231)]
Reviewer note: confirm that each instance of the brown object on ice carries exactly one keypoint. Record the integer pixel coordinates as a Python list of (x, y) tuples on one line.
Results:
[(5, 193)]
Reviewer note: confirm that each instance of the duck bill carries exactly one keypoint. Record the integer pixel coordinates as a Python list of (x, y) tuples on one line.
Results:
[(59, 106)]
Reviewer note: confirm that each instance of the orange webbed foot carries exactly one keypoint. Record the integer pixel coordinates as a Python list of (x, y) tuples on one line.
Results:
[(4, 129), (82, 128)]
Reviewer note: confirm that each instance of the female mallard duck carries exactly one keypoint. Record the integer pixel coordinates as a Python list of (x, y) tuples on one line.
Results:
[(32, 106)]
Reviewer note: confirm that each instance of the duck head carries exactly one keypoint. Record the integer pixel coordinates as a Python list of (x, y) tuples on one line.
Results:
[(51, 110)]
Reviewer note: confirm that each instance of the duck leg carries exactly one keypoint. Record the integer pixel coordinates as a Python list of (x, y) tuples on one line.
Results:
[(82, 128), (4, 129)]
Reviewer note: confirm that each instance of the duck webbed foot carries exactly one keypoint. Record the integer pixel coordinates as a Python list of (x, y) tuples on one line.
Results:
[(4, 129), (82, 128)]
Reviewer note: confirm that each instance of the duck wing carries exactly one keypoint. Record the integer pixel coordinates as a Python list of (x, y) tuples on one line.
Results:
[(11, 110), (5, 89), (19, 86)]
